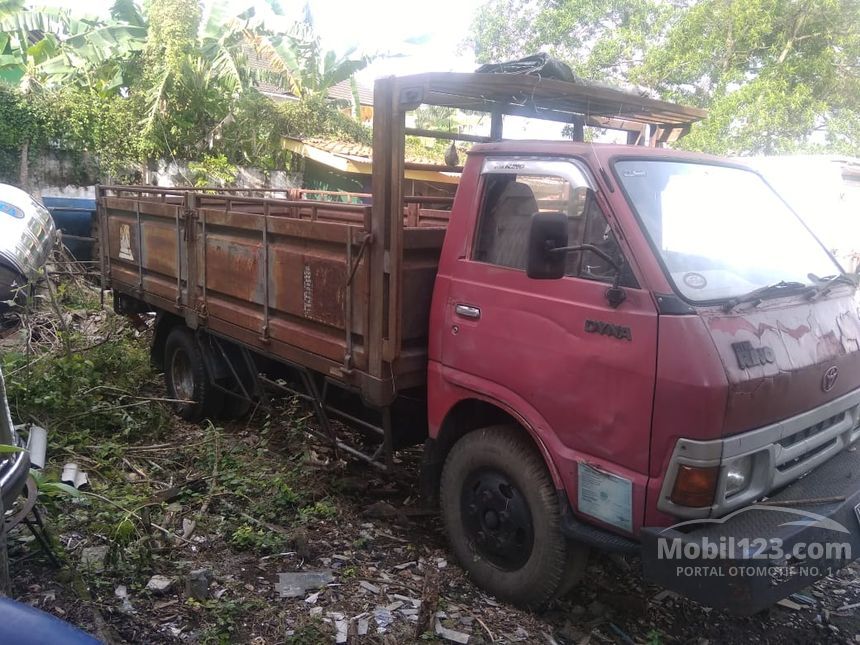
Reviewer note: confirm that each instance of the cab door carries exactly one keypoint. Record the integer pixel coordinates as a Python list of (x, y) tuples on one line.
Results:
[(555, 346)]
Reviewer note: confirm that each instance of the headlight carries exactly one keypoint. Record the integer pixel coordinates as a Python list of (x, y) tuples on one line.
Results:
[(738, 475)]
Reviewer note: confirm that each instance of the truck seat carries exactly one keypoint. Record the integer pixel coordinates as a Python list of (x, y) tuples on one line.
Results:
[(507, 232)]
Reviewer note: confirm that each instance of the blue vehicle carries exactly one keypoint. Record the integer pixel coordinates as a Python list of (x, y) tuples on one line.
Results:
[(74, 217)]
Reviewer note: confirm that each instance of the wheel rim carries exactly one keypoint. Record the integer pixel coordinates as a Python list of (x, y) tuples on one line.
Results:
[(181, 376), (497, 519)]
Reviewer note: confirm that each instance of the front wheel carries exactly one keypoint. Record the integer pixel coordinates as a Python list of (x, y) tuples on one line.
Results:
[(501, 513)]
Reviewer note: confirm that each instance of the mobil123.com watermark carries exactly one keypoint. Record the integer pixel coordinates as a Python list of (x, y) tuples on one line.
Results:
[(715, 554)]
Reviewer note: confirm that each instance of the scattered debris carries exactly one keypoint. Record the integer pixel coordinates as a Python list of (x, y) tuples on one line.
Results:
[(383, 619), (74, 476), (93, 557), (364, 584), (341, 626), (37, 444), (159, 585), (853, 605), (293, 584), (197, 584), (790, 604), (450, 634), (126, 607), (363, 626), (806, 600)]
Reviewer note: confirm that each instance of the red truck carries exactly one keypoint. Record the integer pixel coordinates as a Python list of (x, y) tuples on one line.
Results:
[(623, 347)]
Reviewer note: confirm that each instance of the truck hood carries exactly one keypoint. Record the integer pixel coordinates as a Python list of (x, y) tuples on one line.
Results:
[(786, 356)]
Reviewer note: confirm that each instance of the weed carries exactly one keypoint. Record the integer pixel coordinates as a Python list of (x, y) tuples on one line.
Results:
[(247, 538), (361, 542), (654, 637), (309, 634), (322, 510), (223, 618), (96, 392)]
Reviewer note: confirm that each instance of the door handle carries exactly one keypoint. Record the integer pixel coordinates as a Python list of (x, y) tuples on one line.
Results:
[(467, 311)]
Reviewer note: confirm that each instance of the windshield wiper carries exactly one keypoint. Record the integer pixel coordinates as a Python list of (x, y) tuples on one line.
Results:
[(783, 287), (823, 285)]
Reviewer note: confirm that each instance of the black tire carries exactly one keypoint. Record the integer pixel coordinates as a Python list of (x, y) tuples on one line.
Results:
[(235, 407), (187, 378), (574, 568), (501, 513)]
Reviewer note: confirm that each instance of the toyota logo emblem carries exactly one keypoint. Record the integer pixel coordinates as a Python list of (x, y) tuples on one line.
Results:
[(829, 379)]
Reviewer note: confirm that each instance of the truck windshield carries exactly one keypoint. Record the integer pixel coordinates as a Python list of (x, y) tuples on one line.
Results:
[(721, 232)]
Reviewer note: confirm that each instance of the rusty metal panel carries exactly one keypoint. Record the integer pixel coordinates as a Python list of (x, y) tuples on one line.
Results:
[(288, 278)]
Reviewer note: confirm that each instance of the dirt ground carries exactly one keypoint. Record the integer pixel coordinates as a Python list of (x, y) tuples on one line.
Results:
[(387, 558)]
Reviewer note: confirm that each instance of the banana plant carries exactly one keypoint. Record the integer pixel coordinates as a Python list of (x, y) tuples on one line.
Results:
[(48, 47)]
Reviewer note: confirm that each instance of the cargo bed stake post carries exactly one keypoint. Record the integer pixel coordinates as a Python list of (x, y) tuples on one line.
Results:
[(264, 336), (103, 250), (347, 302), (179, 251), (192, 257), (139, 247), (201, 213)]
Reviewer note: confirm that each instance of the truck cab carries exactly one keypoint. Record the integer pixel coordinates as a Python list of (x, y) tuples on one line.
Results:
[(676, 342)]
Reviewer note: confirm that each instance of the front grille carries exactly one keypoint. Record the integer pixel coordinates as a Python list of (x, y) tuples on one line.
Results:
[(811, 431), (806, 456)]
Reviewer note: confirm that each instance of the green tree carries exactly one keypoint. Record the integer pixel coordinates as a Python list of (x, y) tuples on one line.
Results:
[(600, 40), (171, 81), (298, 62), (776, 75)]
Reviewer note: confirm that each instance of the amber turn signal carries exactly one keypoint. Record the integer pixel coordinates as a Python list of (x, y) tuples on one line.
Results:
[(694, 486)]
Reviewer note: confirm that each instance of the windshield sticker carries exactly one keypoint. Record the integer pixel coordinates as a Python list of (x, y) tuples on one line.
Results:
[(10, 209), (634, 173), (695, 280)]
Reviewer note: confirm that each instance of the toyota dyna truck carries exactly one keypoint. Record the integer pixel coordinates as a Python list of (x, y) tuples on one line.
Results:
[(619, 347)]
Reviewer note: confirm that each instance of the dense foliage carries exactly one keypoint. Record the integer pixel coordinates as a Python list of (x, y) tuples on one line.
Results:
[(169, 81), (776, 75)]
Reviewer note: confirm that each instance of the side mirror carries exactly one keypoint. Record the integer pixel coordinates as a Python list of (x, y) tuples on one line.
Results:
[(547, 231)]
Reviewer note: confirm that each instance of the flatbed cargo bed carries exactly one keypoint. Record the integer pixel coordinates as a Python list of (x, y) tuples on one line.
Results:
[(288, 278)]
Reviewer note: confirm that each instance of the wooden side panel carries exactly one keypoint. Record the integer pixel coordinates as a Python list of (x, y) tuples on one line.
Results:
[(285, 279), (144, 250), (290, 280)]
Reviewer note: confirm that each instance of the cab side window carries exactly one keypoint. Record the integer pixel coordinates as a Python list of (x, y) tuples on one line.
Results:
[(508, 203)]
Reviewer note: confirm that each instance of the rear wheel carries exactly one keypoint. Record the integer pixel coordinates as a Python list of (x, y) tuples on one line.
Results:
[(501, 513), (236, 407), (186, 377)]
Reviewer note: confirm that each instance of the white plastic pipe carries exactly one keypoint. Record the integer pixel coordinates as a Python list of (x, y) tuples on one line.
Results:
[(70, 472), (37, 444)]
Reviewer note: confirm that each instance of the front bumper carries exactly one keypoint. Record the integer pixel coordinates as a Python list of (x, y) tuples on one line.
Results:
[(756, 555)]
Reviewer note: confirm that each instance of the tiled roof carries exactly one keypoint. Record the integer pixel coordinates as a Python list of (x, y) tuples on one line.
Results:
[(359, 151), (343, 92)]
